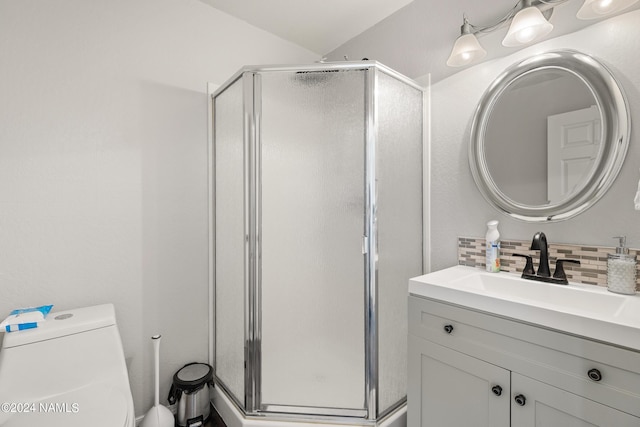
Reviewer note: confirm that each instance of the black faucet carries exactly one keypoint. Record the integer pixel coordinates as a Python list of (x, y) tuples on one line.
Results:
[(539, 243)]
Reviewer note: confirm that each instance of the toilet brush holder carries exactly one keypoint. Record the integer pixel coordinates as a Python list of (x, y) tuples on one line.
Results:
[(159, 415)]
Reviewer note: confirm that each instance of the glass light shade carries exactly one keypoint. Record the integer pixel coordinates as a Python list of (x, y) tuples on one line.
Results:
[(527, 26), (465, 50), (593, 9)]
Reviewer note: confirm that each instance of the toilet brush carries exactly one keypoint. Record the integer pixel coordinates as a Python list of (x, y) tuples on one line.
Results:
[(159, 415)]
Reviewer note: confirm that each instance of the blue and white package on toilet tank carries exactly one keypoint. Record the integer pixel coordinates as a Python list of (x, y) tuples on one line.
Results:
[(25, 318)]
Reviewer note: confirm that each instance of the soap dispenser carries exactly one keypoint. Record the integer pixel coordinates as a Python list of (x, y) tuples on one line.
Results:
[(621, 270), (493, 247)]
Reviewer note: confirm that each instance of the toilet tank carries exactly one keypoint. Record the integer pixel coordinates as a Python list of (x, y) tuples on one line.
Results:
[(71, 350), (59, 324)]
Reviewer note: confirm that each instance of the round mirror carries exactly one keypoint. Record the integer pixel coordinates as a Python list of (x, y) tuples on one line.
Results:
[(549, 137)]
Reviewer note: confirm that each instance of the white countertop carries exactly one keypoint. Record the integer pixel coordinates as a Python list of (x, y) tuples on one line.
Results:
[(584, 310)]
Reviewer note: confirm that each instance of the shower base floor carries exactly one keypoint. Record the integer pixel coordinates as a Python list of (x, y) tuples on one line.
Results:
[(233, 418)]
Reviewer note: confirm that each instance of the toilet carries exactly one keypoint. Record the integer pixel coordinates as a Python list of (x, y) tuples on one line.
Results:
[(69, 371)]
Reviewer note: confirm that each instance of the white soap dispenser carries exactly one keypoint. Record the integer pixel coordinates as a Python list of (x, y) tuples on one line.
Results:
[(621, 270), (493, 247)]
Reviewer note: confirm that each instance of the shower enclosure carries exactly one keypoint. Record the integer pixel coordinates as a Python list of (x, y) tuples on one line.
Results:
[(317, 227)]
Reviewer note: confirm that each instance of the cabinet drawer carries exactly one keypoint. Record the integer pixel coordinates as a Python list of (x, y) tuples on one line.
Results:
[(594, 370)]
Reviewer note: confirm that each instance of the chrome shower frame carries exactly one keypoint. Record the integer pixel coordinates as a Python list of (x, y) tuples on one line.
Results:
[(250, 78)]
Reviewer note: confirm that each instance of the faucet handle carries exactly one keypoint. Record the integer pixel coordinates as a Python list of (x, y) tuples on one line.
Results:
[(559, 273), (528, 268)]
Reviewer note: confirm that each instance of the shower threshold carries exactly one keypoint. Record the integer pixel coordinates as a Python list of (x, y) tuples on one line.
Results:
[(234, 418)]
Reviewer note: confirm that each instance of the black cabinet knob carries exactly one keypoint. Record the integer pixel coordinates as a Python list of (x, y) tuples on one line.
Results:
[(594, 375), (497, 390), (448, 328), (520, 399)]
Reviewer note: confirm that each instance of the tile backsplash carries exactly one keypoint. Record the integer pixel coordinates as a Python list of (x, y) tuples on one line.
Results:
[(591, 271)]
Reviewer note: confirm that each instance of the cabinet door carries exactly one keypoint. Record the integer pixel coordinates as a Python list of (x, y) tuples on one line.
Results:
[(547, 406), (449, 388)]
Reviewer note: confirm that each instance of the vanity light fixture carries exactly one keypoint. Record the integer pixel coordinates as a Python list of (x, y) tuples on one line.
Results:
[(466, 49), (529, 23)]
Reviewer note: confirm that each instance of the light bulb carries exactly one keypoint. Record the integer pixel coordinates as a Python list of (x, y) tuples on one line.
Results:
[(593, 9), (603, 6), (525, 35)]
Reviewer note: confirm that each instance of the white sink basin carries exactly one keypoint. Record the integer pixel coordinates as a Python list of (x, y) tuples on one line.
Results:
[(564, 297), (585, 310)]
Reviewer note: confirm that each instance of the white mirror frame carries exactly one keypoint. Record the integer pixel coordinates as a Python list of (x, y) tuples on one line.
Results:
[(616, 130)]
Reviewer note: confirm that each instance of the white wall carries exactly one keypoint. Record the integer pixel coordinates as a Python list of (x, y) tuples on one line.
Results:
[(103, 163), (458, 209)]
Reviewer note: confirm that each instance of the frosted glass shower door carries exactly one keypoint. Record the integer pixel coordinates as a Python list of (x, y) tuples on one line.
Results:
[(229, 240), (312, 220), (399, 222)]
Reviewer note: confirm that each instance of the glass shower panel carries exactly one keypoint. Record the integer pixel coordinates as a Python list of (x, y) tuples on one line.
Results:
[(312, 220), (399, 221), (229, 239)]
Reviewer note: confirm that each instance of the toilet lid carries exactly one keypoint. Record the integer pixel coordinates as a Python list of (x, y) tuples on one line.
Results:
[(96, 405)]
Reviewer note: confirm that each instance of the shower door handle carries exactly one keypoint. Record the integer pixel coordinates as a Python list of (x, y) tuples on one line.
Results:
[(365, 245)]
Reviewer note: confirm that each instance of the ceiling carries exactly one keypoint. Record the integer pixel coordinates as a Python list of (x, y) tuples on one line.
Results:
[(318, 25), (413, 37)]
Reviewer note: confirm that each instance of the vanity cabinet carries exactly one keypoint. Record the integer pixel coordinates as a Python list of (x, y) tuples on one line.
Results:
[(471, 368)]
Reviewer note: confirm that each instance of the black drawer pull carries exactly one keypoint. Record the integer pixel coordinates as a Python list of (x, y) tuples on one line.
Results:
[(448, 328), (497, 390), (520, 400), (594, 375)]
